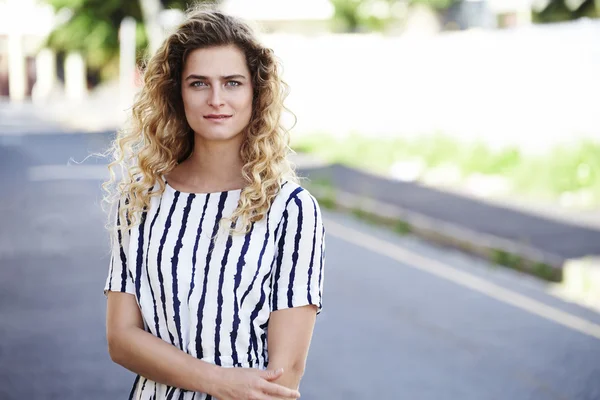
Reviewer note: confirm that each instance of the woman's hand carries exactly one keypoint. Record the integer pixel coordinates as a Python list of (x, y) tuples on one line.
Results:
[(251, 384)]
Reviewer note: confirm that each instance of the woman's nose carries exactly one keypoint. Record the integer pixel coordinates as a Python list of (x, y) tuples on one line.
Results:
[(216, 98)]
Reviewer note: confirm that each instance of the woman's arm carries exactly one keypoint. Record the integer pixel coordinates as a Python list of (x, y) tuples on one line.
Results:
[(288, 340), (130, 346), (141, 352)]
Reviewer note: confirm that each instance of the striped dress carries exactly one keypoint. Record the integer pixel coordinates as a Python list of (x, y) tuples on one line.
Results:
[(212, 298)]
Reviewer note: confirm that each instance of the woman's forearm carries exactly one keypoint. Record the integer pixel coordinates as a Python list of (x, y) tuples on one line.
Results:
[(153, 358), (291, 375)]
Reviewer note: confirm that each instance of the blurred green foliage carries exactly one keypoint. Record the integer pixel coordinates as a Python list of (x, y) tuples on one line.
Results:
[(93, 30), (564, 168), (435, 4), (565, 10), (346, 14), (359, 15)]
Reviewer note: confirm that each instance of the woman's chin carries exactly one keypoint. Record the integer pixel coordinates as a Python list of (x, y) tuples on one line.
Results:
[(217, 134)]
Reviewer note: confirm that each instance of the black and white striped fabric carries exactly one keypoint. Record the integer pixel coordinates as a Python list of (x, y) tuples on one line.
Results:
[(212, 299)]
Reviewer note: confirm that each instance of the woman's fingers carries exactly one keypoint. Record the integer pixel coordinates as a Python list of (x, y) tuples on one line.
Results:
[(280, 392), (271, 375), (273, 389)]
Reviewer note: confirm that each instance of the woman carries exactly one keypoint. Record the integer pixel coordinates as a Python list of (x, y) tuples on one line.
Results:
[(217, 261)]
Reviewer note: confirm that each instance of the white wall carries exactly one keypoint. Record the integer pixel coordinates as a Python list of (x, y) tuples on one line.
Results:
[(532, 86)]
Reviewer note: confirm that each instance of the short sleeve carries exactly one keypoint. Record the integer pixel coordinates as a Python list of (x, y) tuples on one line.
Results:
[(299, 255), (119, 277)]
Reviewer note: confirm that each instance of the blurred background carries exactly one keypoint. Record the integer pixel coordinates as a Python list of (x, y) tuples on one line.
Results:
[(514, 80), (463, 133)]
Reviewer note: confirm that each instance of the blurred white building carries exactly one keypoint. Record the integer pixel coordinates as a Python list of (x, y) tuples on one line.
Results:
[(290, 16), (24, 25), (490, 14)]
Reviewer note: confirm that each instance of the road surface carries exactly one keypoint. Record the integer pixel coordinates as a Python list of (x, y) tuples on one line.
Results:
[(402, 319)]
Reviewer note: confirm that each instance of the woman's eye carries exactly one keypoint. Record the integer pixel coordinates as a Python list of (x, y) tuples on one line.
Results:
[(234, 83), (197, 84)]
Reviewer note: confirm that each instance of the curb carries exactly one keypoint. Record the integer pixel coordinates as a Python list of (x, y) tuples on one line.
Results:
[(500, 250), (575, 280)]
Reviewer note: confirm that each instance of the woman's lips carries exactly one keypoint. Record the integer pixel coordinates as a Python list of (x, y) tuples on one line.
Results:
[(217, 118)]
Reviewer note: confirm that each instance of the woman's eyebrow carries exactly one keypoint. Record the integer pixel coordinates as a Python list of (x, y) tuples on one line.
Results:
[(227, 77)]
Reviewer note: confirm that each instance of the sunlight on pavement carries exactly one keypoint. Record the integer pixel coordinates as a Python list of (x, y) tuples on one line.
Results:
[(462, 278), (59, 172)]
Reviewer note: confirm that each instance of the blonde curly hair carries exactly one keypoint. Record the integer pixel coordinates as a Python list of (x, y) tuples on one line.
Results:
[(158, 136)]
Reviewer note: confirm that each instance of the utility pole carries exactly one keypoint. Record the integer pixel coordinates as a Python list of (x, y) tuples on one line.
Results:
[(127, 65), (150, 11), (17, 73)]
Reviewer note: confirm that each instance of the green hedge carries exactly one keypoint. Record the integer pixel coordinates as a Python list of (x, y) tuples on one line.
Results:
[(561, 169)]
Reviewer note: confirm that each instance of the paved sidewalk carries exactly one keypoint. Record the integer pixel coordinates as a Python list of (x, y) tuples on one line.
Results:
[(554, 237), (99, 111), (553, 248), (19, 118)]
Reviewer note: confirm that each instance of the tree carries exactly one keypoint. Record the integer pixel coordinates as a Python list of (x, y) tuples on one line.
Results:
[(566, 10), (439, 5), (375, 15), (93, 30), (346, 14)]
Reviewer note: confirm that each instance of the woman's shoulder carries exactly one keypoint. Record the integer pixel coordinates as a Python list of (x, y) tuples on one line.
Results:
[(291, 189), (293, 194)]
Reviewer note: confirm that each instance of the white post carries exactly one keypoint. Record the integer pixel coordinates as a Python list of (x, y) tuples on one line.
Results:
[(127, 67), (17, 70), (75, 77), (17, 75), (45, 66), (150, 11)]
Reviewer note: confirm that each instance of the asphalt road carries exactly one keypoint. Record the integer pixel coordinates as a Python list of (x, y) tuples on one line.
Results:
[(402, 319)]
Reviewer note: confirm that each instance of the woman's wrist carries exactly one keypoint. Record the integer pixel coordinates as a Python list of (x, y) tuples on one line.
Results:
[(207, 377)]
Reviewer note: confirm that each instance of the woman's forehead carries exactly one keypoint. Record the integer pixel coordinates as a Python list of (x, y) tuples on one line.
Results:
[(216, 61)]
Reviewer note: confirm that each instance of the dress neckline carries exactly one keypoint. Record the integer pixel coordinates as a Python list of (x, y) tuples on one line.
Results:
[(173, 190)]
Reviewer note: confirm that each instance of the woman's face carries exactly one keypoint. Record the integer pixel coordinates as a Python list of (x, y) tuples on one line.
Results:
[(216, 89)]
